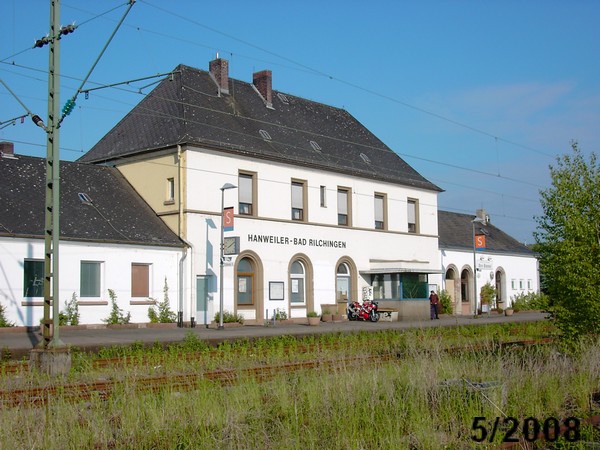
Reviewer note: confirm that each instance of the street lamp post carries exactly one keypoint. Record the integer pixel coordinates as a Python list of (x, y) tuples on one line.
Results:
[(473, 222), (222, 245)]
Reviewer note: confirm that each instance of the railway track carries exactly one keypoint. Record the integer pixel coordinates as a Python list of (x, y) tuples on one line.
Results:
[(40, 396), (102, 389), (74, 392)]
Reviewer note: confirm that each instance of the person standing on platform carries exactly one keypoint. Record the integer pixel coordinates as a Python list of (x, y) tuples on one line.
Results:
[(434, 303)]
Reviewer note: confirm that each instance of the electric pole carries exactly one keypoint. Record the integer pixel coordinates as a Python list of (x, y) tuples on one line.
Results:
[(51, 355)]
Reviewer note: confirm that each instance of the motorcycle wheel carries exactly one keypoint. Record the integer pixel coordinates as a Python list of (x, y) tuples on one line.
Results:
[(352, 316), (374, 316)]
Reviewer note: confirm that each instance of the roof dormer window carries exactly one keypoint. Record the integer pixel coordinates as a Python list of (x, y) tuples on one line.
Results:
[(316, 147), (283, 98)]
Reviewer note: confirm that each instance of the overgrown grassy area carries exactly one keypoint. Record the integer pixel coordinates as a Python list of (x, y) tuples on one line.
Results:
[(425, 398)]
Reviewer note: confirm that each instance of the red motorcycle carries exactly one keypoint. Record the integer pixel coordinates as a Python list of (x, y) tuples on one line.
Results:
[(368, 310)]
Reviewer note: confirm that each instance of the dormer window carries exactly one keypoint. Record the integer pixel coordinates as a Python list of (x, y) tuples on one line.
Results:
[(84, 198), (283, 98)]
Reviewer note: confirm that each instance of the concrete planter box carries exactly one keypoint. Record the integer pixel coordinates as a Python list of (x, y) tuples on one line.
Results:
[(388, 316), (226, 325), (162, 325), (123, 326), (314, 321)]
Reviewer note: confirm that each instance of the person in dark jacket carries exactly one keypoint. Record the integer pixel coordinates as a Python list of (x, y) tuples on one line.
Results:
[(434, 303)]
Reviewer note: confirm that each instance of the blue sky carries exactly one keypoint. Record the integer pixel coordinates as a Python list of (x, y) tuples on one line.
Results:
[(479, 97)]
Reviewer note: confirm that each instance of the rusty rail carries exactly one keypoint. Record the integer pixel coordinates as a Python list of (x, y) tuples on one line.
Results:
[(41, 396)]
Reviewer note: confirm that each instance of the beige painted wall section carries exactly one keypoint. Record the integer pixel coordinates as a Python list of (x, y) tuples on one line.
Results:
[(150, 178), (408, 309)]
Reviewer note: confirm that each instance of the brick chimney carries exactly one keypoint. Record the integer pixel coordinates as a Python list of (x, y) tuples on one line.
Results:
[(7, 150), (219, 70), (483, 215), (262, 82)]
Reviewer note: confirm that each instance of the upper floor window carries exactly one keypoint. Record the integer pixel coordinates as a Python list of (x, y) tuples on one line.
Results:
[(413, 215), (170, 194), (380, 211), (247, 194), (298, 200), (323, 194), (343, 197)]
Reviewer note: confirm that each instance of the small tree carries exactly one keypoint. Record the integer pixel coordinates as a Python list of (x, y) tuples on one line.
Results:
[(568, 241), (116, 315), (445, 302), (164, 314), (488, 294), (3, 321)]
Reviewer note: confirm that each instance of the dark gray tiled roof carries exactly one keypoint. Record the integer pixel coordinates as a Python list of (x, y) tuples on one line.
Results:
[(118, 214), (187, 110), (456, 232)]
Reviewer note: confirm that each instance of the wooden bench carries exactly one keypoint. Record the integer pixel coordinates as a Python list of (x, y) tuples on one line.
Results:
[(388, 314)]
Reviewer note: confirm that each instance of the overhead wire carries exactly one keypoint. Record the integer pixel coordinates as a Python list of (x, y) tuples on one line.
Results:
[(312, 70), (82, 23), (348, 83)]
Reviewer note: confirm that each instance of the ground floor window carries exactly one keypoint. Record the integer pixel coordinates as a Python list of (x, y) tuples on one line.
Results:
[(140, 280), (245, 282), (400, 286), (89, 279), (342, 284), (33, 278), (297, 283)]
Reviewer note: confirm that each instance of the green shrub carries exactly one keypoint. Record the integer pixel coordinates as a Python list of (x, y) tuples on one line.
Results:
[(527, 301), (280, 314), (229, 317), (3, 321), (445, 302), (164, 313), (312, 314), (116, 316)]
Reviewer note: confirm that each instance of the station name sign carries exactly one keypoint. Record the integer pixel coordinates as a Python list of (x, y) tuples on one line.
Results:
[(286, 240)]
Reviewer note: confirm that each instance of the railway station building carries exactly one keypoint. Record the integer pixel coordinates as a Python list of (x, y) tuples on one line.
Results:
[(321, 207)]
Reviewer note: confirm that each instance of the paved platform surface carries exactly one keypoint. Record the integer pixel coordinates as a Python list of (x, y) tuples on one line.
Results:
[(20, 343)]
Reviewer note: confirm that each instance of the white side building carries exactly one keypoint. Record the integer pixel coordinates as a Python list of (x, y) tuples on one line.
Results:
[(110, 239), (503, 262)]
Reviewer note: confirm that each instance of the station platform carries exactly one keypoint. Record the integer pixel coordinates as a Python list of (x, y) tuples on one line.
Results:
[(18, 342)]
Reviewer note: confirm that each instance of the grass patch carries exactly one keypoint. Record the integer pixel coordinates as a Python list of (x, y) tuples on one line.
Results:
[(420, 400)]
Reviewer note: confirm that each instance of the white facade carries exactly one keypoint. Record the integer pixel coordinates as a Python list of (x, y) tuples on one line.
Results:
[(274, 241), (115, 266), (510, 274)]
